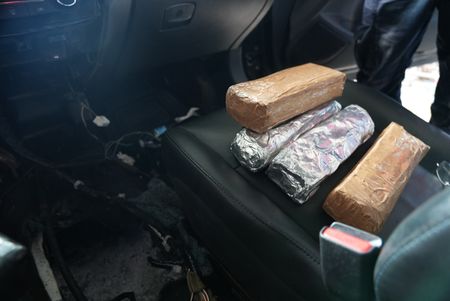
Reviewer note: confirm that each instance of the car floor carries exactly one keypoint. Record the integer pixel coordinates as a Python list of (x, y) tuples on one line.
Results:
[(125, 237), (134, 247), (112, 254)]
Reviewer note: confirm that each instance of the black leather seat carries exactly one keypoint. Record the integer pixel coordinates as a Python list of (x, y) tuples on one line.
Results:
[(414, 264), (268, 243)]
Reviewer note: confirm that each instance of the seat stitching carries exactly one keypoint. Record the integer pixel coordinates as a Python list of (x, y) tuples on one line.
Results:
[(228, 195)]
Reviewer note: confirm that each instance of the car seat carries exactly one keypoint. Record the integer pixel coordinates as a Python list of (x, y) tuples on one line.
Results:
[(265, 241)]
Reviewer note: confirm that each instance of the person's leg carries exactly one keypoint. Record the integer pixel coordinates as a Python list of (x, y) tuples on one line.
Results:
[(440, 110), (385, 50), (369, 10)]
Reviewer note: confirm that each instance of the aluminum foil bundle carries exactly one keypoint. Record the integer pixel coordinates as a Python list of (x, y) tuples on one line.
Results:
[(300, 167), (255, 151)]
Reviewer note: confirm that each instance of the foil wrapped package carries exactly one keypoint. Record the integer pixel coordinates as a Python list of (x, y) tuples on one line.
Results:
[(255, 151), (300, 167)]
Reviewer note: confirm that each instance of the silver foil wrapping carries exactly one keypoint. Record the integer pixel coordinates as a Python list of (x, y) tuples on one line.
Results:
[(255, 151), (300, 167)]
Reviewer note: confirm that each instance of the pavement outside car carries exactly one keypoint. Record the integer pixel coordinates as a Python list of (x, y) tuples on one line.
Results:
[(418, 89)]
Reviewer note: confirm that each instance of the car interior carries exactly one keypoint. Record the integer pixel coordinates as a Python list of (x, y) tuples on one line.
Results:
[(117, 180)]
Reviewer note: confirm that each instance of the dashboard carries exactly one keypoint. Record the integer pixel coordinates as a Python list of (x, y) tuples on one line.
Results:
[(162, 31), (127, 35)]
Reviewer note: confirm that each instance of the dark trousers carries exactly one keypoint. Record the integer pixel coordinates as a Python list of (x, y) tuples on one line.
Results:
[(390, 34)]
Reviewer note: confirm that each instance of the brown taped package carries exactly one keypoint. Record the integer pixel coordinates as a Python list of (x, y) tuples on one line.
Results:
[(263, 103), (366, 197)]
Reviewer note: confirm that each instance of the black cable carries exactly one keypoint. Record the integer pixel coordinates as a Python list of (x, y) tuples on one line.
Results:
[(59, 261), (163, 264), (55, 251), (128, 296)]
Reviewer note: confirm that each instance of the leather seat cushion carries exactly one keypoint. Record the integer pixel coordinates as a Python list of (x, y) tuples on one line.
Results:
[(266, 240)]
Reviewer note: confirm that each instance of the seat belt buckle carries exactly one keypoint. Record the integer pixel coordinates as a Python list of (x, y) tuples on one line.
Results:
[(348, 257)]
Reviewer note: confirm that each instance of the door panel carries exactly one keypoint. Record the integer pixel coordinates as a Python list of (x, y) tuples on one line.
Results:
[(325, 35)]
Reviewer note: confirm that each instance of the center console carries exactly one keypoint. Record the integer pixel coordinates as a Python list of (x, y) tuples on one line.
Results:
[(47, 30)]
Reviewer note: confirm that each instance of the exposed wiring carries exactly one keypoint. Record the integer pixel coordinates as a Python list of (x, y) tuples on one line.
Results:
[(196, 287), (10, 139), (85, 108), (164, 239), (112, 147)]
